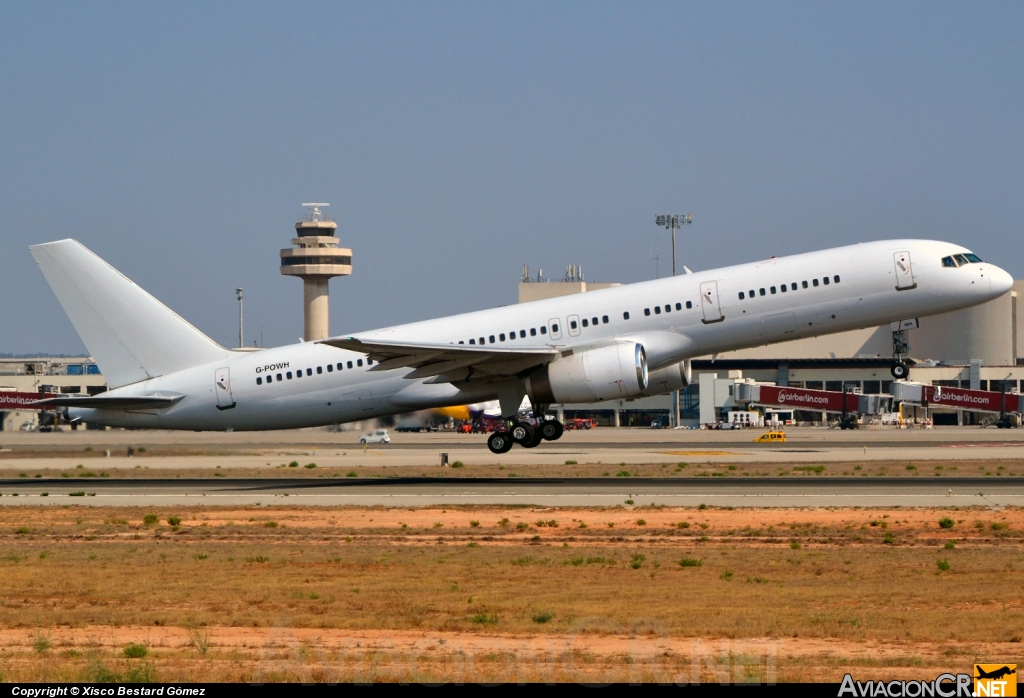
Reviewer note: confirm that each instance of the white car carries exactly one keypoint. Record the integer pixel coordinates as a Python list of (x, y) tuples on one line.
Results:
[(377, 436)]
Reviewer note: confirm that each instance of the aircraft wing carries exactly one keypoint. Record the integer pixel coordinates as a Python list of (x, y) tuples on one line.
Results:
[(113, 402), (445, 363)]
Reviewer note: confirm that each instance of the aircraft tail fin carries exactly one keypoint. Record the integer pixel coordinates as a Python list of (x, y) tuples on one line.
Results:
[(131, 335)]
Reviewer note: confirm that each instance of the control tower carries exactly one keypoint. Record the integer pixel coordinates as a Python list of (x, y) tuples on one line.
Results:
[(315, 258)]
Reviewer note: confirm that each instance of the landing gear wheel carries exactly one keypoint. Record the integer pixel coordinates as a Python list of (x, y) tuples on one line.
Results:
[(551, 430), (522, 433), (899, 371), (500, 442), (535, 441)]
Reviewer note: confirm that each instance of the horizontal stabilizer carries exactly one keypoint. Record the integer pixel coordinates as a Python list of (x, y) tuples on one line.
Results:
[(111, 403)]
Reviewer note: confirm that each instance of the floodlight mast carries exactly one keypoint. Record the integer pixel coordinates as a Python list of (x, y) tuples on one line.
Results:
[(241, 335), (672, 222)]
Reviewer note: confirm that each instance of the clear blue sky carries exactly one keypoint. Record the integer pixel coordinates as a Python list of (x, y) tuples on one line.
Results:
[(458, 141)]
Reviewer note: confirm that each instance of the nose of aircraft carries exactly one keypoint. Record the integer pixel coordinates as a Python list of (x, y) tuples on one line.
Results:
[(999, 281)]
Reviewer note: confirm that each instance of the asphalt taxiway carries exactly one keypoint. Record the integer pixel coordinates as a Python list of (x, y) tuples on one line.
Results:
[(553, 492)]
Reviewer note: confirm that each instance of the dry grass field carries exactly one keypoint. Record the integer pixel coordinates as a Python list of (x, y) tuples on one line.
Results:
[(506, 593)]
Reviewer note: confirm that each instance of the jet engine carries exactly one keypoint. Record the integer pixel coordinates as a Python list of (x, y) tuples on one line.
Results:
[(608, 373), (668, 379)]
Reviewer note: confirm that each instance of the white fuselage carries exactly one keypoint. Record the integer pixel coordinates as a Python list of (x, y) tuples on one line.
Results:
[(689, 321)]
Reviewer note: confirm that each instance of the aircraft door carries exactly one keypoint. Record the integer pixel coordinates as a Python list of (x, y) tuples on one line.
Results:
[(554, 330), (904, 271), (709, 302), (574, 325), (222, 386)]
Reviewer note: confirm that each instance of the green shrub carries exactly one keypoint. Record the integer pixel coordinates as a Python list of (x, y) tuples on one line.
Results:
[(458, 464), (945, 522), (568, 462), (310, 465), (726, 576), (294, 464), (702, 506), (351, 473), (691, 562), (41, 644), (474, 524), (136, 650), (641, 522), (174, 520), (637, 561), (22, 530), (150, 519), (794, 545), (484, 619), (950, 544), (270, 524), (542, 617), (943, 565), (622, 473), (683, 524)]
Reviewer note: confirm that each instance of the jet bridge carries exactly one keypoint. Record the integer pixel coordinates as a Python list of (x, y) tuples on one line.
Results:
[(848, 404), (1003, 403)]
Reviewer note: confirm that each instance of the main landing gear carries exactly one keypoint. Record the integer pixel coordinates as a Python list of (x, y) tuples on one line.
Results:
[(525, 434)]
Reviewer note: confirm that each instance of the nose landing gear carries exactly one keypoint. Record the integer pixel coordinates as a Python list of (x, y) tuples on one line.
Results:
[(900, 346)]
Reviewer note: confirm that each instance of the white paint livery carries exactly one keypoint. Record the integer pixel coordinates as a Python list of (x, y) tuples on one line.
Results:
[(165, 374)]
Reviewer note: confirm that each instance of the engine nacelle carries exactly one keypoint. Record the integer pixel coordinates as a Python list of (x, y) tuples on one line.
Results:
[(608, 373), (668, 379)]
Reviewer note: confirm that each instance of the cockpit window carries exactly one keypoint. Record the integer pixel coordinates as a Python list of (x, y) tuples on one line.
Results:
[(960, 259), (948, 262), (972, 257)]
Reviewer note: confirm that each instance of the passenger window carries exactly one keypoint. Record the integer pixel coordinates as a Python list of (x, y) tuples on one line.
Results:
[(482, 341), (593, 321), (340, 365), (804, 284), (814, 281), (259, 381), (319, 370), (647, 311), (793, 285), (572, 324), (298, 374), (289, 374), (279, 377), (604, 319), (836, 278), (330, 368), (772, 289), (625, 315), (543, 329), (784, 289), (825, 281), (309, 372), (472, 341), (522, 334), (369, 362), (533, 331), (270, 379), (751, 293), (359, 362), (689, 305), (742, 296), (554, 328), (492, 339), (762, 292), (461, 342), (501, 337), (668, 308), (585, 323), (679, 306), (350, 364), (657, 310)]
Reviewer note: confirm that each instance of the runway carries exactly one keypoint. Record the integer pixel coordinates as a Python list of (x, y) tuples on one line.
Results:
[(551, 492)]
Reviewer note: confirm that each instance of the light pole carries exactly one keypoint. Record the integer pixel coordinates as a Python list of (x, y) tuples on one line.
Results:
[(671, 222), (241, 334)]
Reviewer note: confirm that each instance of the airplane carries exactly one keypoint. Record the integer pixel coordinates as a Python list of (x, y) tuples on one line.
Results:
[(627, 341)]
